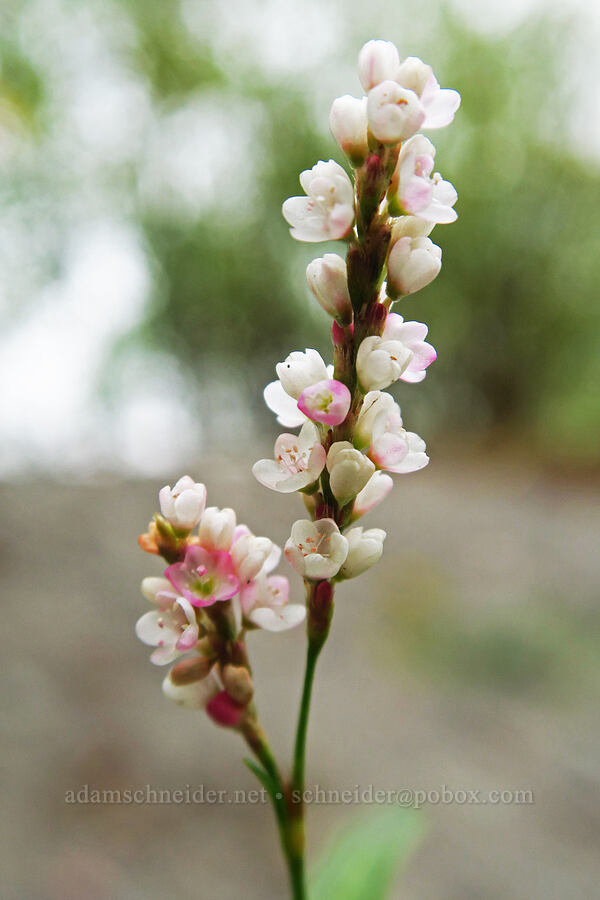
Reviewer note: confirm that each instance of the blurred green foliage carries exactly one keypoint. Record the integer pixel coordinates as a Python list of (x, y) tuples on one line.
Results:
[(514, 313), (362, 863)]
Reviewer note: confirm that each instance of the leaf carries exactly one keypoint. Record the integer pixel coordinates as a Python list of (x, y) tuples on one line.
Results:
[(364, 860)]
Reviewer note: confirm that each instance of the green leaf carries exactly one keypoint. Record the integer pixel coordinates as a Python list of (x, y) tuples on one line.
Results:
[(365, 859)]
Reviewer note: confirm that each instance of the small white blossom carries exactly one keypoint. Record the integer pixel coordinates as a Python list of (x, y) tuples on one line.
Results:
[(216, 528), (380, 362), (348, 123), (316, 550), (394, 113), (301, 370), (249, 554), (349, 471), (439, 105), (284, 406), (364, 550), (327, 212), (172, 628), (327, 278), (377, 61), (412, 264), (183, 505), (299, 460)]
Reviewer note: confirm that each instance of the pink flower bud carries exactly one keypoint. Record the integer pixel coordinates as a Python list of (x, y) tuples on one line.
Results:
[(327, 401), (224, 710)]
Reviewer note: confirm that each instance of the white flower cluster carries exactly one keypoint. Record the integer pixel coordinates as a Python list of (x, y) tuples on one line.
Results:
[(351, 431)]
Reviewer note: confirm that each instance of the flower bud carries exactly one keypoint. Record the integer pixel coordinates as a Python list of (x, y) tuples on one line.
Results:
[(348, 123), (328, 281), (224, 710), (238, 683), (410, 226), (300, 370), (394, 113), (377, 61), (376, 490), (190, 670), (191, 696), (183, 505), (327, 402), (349, 471), (364, 550), (216, 528), (380, 363), (375, 405), (412, 264)]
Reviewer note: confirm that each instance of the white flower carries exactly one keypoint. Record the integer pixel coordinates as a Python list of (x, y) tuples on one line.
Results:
[(327, 212), (377, 61), (301, 370), (394, 113), (364, 550), (249, 554), (299, 460), (316, 549), (172, 628), (183, 505), (412, 335), (410, 226), (418, 193), (328, 281), (440, 105), (284, 406), (265, 604), (376, 490), (216, 528), (412, 264), (348, 123), (349, 471), (376, 404), (380, 362), (195, 695)]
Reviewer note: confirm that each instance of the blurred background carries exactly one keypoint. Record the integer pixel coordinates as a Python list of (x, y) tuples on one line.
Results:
[(149, 285)]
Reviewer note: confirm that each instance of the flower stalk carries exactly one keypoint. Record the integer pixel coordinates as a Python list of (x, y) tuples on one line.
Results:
[(218, 585)]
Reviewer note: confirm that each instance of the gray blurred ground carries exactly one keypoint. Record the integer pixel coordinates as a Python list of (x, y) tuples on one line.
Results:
[(471, 662)]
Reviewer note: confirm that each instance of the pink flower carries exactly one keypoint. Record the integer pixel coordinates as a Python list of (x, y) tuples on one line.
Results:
[(412, 335), (375, 490), (327, 402), (417, 192), (204, 577), (265, 604), (172, 628)]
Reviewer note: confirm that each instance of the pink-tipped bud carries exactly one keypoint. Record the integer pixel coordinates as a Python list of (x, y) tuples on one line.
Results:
[(224, 710)]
